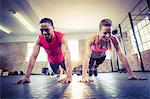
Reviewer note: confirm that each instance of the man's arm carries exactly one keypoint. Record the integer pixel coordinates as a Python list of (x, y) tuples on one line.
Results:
[(31, 63), (66, 53), (32, 60), (122, 57)]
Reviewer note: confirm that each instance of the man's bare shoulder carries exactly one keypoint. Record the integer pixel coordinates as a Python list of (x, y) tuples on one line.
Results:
[(38, 42)]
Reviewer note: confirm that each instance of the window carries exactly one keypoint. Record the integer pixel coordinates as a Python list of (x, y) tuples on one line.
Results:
[(42, 54), (108, 54), (74, 49), (142, 33)]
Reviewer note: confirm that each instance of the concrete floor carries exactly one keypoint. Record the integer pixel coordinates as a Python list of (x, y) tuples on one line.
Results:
[(105, 86)]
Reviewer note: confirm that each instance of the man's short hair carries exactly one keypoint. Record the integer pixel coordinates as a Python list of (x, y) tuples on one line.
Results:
[(105, 22), (46, 20)]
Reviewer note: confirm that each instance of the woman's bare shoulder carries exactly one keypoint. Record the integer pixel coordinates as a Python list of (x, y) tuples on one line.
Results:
[(92, 37)]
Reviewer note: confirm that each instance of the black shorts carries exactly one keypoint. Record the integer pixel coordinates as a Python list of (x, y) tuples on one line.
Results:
[(55, 67)]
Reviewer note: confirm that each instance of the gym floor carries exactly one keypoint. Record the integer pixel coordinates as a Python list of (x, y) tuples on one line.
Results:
[(105, 86)]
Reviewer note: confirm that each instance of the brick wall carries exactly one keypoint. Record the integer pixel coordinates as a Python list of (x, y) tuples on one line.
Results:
[(12, 56)]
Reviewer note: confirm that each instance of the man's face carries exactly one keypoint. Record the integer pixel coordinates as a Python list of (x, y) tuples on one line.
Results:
[(47, 31), (105, 32)]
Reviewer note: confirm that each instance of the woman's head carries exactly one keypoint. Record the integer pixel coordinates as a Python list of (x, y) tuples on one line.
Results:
[(105, 28), (105, 22)]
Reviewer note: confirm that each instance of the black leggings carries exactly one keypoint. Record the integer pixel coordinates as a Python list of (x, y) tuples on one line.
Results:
[(98, 61)]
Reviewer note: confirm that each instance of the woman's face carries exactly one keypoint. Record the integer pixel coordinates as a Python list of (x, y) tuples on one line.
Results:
[(105, 32)]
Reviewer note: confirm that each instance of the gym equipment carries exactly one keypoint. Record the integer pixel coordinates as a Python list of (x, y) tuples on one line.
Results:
[(45, 71)]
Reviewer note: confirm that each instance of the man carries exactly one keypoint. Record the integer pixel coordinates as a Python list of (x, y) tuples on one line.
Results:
[(56, 48), (96, 47)]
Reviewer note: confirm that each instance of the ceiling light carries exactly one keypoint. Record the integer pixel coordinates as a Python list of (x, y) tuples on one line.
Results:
[(5, 29), (23, 21)]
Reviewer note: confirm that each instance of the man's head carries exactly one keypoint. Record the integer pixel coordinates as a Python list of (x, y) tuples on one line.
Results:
[(47, 28), (105, 28)]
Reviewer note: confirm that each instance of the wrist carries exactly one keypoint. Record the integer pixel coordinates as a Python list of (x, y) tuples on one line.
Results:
[(69, 72), (84, 76), (131, 74), (26, 76), (69, 76)]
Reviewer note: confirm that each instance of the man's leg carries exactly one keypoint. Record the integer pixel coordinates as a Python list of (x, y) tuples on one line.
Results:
[(62, 64), (55, 68), (91, 63)]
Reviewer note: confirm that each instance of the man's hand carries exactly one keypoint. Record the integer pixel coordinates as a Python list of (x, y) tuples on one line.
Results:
[(85, 80), (22, 81), (65, 80)]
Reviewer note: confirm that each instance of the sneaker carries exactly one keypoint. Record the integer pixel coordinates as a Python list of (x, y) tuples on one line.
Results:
[(52, 73), (58, 75), (95, 72), (90, 72)]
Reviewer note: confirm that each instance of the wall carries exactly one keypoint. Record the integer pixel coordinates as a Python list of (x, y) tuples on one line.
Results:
[(33, 37), (133, 58), (146, 59), (136, 63), (12, 56), (105, 66)]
